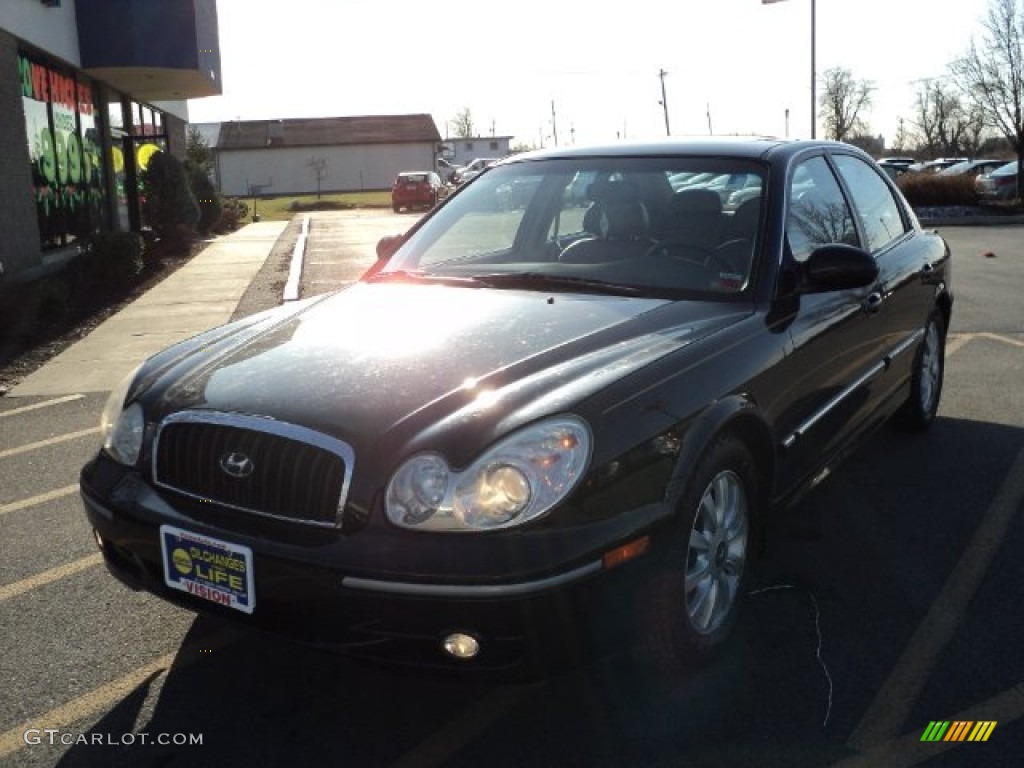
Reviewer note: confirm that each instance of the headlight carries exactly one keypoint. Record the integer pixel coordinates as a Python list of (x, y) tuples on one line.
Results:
[(122, 428), (517, 480)]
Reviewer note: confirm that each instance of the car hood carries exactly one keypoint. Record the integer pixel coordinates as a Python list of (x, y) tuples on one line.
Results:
[(384, 358)]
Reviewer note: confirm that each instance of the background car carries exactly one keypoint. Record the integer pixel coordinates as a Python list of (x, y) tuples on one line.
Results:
[(536, 429), (1000, 184), (474, 169), (936, 165), (895, 167), (447, 170), (416, 189), (972, 167)]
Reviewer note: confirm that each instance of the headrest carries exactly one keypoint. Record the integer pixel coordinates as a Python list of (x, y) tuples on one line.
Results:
[(623, 220), (702, 201)]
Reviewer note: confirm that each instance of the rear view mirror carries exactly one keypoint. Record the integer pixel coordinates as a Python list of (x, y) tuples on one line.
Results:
[(387, 246)]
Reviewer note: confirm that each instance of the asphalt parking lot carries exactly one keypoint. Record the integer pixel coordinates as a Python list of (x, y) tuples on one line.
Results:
[(889, 599)]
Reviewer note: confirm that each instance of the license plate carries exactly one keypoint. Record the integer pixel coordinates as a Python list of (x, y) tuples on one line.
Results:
[(208, 568)]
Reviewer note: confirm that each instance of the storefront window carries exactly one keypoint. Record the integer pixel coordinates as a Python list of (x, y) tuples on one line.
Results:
[(67, 180)]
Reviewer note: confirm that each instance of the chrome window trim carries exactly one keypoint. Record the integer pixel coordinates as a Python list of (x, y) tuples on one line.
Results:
[(883, 365), (268, 426), (471, 590)]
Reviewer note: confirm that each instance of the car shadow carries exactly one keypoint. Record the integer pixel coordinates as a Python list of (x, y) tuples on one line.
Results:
[(848, 576)]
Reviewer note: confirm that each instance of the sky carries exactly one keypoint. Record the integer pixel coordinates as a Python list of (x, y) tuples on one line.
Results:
[(733, 66)]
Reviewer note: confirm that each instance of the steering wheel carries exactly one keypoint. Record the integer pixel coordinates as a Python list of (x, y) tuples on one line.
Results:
[(708, 258)]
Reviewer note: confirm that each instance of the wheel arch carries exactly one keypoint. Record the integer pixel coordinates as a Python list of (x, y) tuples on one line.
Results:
[(736, 416)]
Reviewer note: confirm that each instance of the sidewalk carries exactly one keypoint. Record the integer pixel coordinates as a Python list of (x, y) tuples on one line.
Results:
[(198, 296)]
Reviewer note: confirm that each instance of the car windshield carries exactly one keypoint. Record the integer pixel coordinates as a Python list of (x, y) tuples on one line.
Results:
[(627, 224)]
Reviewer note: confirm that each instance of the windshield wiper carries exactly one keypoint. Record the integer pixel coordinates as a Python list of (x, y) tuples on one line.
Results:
[(538, 281), (417, 276)]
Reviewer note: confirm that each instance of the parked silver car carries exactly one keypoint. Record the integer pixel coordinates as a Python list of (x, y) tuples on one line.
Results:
[(1000, 184)]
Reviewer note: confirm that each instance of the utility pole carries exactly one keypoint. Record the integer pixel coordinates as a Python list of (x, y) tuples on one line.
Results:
[(710, 132), (814, 90), (554, 124), (664, 101)]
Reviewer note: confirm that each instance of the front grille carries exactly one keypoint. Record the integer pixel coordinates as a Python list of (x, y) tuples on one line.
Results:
[(254, 464)]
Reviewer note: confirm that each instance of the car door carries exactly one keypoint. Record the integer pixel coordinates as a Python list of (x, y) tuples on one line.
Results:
[(837, 348), (903, 295)]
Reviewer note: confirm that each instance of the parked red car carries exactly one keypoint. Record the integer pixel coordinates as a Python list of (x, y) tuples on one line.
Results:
[(418, 189)]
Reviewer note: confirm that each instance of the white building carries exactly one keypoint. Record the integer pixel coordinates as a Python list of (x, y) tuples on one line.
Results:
[(331, 154), (465, 150)]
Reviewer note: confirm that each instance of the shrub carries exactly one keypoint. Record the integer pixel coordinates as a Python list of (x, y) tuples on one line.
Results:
[(206, 196), (169, 206), (924, 189), (232, 212), (111, 260), (54, 298)]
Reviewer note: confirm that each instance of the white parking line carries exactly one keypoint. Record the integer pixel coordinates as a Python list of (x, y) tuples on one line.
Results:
[(52, 441), (102, 698), (955, 343), (463, 729), (48, 577), (1004, 339), (42, 498), (909, 750), (888, 712), (44, 404)]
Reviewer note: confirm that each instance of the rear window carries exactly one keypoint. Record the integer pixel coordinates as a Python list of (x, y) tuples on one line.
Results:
[(412, 177)]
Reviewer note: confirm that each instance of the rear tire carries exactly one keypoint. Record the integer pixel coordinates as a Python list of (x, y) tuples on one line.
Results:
[(697, 596), (918, 412)]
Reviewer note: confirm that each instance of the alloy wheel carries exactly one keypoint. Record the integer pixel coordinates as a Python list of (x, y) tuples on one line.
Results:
[(717, 552)]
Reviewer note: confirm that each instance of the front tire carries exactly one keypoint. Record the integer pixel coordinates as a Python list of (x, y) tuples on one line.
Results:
[(918, 412), (697, 597)]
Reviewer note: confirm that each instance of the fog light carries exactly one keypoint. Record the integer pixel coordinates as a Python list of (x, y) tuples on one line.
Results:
[(99, 539), (461, 646)]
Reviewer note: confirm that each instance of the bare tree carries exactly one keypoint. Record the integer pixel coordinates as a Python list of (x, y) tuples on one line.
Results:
[(462, 124), (842, 101), (991, 74), (318, 166), (947, 125)]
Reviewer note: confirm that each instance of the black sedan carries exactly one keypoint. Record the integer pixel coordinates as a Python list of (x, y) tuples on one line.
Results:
[(554, 416)]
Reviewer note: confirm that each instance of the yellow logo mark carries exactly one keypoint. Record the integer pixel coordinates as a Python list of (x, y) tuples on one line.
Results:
[(182, 561)]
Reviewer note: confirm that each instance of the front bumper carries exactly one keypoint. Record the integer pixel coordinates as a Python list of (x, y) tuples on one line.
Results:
[(530, 624)]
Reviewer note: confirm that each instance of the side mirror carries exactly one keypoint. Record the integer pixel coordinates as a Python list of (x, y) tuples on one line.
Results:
[(387, 246), (836, 267)]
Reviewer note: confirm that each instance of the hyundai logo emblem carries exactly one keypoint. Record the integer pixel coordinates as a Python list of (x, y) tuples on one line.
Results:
[(237, 465)]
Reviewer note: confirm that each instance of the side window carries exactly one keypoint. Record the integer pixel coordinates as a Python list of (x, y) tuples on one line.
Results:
[(818, 213), (873, 200)]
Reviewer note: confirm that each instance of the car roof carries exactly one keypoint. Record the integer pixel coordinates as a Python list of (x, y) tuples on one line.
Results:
[(754, 148)]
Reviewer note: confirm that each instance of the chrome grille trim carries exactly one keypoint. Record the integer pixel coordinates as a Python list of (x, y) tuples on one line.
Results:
[(266, 426)]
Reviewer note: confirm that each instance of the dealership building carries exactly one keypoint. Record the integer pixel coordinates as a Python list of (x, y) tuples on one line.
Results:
[(89, 90)]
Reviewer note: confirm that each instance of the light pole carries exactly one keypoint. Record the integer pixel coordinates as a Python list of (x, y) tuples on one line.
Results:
[(814, 88), (664, 101)]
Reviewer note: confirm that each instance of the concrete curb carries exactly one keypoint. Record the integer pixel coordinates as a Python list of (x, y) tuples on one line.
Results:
[(291, 287)]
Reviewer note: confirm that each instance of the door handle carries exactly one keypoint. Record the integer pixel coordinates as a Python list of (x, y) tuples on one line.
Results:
[(873, 302)]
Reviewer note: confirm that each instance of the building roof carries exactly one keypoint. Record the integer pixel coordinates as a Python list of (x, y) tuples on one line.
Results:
[(327, 131)]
